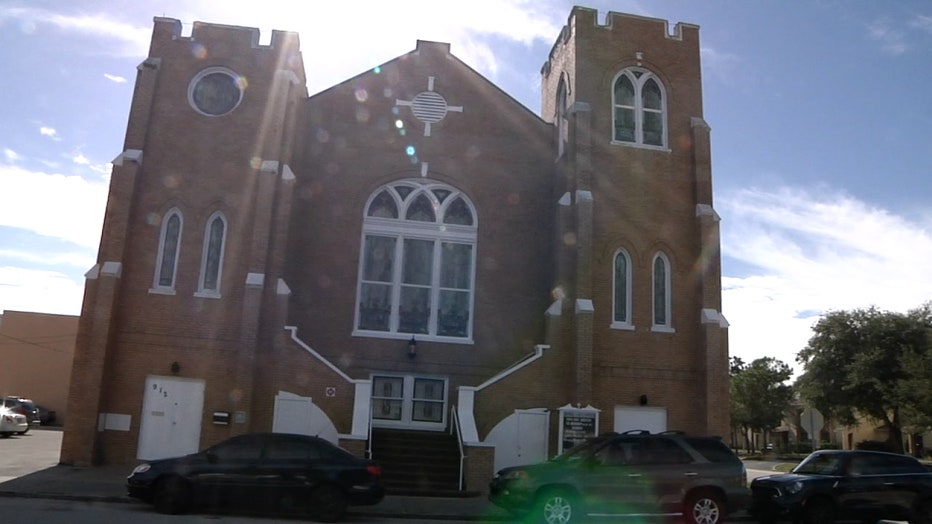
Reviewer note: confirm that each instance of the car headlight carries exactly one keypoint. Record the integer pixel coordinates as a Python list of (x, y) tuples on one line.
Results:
[(142, 468), (793, 488), (517, 474)]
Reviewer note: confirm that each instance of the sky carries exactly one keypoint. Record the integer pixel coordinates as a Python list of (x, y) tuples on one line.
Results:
[(820, 110)]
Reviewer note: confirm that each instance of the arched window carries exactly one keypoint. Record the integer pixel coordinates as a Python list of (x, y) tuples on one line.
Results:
[(417, 268), (212, 256), (561, 118), (166, 265), (640, 108), (621, 284), (662, 320)]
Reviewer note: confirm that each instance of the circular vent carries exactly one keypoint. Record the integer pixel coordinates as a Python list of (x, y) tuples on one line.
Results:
[(429, 107)]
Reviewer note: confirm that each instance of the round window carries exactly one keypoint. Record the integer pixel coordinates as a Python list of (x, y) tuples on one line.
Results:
[(215, 91)]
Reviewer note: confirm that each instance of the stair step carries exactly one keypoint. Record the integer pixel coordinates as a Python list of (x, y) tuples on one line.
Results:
[(418, 462)]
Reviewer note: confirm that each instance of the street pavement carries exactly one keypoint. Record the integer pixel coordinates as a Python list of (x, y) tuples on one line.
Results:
[(107, 484)]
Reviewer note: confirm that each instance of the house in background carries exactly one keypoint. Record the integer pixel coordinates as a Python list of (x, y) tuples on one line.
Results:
[(36, 351), (406, 255)]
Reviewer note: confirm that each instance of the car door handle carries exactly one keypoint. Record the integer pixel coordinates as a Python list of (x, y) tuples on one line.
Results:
[(634, 475), (691, 474)]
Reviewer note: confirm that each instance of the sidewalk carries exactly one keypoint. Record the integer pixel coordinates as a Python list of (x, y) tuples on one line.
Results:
[(107, 484)]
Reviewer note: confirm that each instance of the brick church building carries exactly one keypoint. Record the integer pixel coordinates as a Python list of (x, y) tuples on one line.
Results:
[(408, 256)]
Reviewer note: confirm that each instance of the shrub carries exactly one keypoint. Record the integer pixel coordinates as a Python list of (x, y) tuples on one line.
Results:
[(874, 445)]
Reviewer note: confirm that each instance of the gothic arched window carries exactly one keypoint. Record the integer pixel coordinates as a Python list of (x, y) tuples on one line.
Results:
[(417, 264), (640, 108)]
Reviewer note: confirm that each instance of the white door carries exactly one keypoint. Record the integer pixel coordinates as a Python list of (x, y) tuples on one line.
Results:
[(632, 418), (533, 430), (170, 425)]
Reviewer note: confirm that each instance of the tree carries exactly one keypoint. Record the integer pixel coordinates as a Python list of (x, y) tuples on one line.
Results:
[(858, 363), (759, 394)]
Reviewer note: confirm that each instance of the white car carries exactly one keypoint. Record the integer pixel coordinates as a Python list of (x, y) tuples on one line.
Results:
[(12, 423)]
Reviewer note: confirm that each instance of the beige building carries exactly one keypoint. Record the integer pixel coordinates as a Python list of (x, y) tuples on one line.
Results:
[(36, 351)]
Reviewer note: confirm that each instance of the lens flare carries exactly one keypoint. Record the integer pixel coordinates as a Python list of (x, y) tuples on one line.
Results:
[(362, 95), (198, 51)]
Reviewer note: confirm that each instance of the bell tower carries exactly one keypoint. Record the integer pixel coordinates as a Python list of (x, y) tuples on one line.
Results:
[(190, 227), (637, 238)]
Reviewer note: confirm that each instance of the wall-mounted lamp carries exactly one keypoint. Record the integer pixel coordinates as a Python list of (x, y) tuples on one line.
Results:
[(412, 348), (175, 367), (642, 400)]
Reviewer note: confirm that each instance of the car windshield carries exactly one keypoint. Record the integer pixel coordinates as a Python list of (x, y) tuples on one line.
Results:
[(579, 451), (819, 464)]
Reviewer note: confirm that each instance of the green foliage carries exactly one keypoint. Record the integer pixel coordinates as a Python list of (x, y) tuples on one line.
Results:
[(872, 363), (759, 394), (874, 445)]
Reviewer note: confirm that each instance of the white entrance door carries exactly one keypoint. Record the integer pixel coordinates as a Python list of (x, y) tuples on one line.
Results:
[(533, 430), (632, 418), (409, 401), (171, 417)]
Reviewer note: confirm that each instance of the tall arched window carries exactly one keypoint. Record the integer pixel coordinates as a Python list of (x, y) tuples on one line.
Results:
[(640, 108), (561, 118), (417, 268), (166, 264), (662, 320), (212, 255), (621, 284)]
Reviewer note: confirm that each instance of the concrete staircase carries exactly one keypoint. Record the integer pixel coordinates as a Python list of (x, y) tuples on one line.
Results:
[(419, 463)]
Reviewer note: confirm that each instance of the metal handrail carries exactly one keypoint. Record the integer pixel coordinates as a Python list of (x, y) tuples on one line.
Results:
[(455, 426)]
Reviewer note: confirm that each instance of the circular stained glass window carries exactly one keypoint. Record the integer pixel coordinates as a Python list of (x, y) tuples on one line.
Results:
[(215, 91)]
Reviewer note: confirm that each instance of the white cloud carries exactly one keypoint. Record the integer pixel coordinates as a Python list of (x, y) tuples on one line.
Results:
[(49, 132), (811, 252), (115, 78), (131, 40), (10, 155), (58, 206), (40, 291)]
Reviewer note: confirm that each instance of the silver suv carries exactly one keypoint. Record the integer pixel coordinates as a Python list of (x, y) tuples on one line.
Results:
[(629, 474)]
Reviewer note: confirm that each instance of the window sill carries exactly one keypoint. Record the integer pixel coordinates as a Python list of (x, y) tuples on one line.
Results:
[(624, 326), (641, 146), (419, 337), (161, 291), (207, 294), (662, 329)]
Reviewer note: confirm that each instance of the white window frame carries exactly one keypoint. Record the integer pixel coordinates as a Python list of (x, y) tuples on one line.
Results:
[(626, 323), (202, 290), (667, 325), (638, 77), (157, 286), (437, 232), (408, 400)]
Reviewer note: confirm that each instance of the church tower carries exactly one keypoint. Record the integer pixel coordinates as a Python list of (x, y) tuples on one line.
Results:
[(205, 161), (637, 240)]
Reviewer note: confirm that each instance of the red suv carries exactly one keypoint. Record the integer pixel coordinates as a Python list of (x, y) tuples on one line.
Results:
[(24, 407)]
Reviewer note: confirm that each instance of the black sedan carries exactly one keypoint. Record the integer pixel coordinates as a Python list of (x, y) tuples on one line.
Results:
[(852, 485), (266, 472)]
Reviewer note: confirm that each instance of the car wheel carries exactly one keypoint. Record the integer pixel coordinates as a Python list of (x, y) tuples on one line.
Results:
[(923, 514), (704, 508), (558, 507), (819, 511), (23, 432), (171, 496), (5, 434), (328, 504)]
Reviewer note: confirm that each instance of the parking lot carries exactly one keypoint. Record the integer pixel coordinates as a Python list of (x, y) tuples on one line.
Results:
[(23, 454)]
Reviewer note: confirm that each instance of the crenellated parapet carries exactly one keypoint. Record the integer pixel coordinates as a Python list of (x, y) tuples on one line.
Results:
[(584, 22), (207, 40)]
